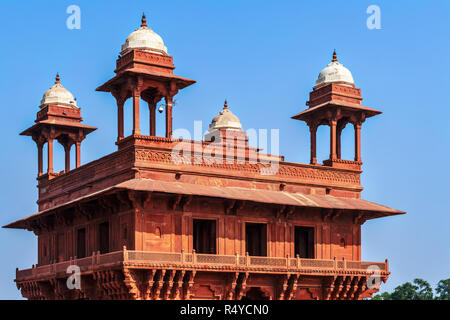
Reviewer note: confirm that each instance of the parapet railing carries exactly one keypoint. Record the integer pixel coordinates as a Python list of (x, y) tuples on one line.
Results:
[(182, 259)]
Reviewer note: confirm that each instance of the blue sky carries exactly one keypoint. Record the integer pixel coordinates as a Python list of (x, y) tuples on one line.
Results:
[(264, 57)]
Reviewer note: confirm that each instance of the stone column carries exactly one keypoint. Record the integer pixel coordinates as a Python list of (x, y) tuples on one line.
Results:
[(152, 109), (67, 156), (338, 143), (78, 153), (333, 124), (50, 155), (120, 104), (357, 127), (136, 95), (313, 133), (168, 116), (40, 146)]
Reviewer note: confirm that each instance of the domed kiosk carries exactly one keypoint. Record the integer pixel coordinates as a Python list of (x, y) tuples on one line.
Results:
[(225, 120), (336, 102), (226, 128), (144, 70), (59, 118)]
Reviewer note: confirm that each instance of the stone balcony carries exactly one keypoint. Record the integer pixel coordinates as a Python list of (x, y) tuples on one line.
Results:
[(205, 262), (144, 275)]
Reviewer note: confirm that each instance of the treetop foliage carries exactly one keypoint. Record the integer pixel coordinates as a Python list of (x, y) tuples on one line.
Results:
[(419, 289)]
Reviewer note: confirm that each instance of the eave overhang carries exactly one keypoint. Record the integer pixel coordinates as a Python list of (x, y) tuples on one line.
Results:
[(272, 197), (150, 74), (306, 114), (58, 123)]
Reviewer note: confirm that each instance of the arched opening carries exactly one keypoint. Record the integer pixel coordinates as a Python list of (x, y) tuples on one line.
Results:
[(160, 118), (144, 118), (347, 142), (73, 156), (128, 118), (323, 143), (45, 158), (59, 157)]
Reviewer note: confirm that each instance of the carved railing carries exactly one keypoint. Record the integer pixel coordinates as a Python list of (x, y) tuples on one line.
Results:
[(194, 260)]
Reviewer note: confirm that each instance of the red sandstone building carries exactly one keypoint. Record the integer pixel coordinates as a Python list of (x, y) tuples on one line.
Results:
[(141, 224)]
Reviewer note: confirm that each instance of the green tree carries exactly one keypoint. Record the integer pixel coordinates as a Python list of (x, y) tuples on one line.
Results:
[(418, 290), (443, 290), (382, 296), (424, 290), (406, 291)]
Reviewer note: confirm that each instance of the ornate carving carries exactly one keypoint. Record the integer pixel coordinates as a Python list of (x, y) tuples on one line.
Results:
[(231, 286), (178, 285), (158, 283), (111, 285), (186, 202), (241, 285), (131, 279), (313, 174), (188, 284), (284, 212), (168, 285)]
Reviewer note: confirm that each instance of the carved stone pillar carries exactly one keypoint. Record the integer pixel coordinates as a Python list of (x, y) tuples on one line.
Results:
[(78, 153), (120, 104), (121, 95), (50, 155), (169, 100), (152, 109), (136, 95), (67, 156), (333, 154), (40, 147), (338, 143), (313, 134), (357, 127)]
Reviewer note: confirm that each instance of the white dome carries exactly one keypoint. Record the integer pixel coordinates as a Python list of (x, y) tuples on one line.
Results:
[(58, 94), (144, 38), (225, 120), (335, 72)]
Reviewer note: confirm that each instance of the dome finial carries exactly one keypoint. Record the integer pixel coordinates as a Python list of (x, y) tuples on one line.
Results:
[(225, 105), (334, 56), (143, 21), (335, 72), (57, 94), (145, 39)]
